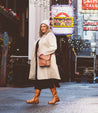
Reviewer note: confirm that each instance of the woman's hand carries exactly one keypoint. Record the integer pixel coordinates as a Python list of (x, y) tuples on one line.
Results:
[(39, 54)]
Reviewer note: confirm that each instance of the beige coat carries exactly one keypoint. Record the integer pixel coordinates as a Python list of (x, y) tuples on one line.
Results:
[(47, 45)]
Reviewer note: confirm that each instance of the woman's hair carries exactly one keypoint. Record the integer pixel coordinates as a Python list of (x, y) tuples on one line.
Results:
[(40, 32)]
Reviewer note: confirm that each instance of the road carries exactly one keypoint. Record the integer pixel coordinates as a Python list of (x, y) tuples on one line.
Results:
[(74, 98)]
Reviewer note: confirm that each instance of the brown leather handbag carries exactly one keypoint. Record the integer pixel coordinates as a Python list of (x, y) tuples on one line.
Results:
[(44, 60)]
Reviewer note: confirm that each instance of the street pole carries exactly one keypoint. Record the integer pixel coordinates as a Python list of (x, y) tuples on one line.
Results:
[(4, 60)]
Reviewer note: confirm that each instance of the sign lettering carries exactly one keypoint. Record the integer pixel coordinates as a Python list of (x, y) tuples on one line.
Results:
[(90, 28), (90, 4), (63, 22)]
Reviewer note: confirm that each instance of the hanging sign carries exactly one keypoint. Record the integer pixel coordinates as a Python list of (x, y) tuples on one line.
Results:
[(94, 23), (90, 4), (62, 19), (63, 22), (91, 17), (90, 28)]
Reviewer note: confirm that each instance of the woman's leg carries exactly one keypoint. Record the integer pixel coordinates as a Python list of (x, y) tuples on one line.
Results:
[(55, 97), (35, 98)]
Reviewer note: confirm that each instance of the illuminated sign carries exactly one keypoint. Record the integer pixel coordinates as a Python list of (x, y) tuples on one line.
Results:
[(87, 28), (90, 16), (90, 23), (63, 22), (90, 4), (62, 19)]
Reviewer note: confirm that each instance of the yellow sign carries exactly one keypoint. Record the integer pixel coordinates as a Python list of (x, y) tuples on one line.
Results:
[(63, 22), (68, 35)]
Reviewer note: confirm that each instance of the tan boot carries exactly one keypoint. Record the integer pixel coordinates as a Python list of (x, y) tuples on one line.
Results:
[(55, 97), (35, 98)]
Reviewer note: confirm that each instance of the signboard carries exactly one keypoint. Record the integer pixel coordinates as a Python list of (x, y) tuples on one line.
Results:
[(63, 22), (90, 16), (62, 19), (90, 23), (90, 4), (90, 28)]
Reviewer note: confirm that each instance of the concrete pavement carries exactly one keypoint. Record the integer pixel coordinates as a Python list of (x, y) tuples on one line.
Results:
[(75, 98)]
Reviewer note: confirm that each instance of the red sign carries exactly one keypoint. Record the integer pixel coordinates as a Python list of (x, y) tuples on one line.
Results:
[(90, 23), (90, 4), (90, 28)]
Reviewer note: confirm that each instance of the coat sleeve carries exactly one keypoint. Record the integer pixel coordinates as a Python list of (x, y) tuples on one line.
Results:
[(52, 44)]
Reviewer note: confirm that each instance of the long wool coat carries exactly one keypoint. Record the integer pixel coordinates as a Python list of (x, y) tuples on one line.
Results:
[(47, 45)]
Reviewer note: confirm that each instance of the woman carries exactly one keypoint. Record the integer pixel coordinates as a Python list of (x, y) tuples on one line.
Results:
[(44, 77)]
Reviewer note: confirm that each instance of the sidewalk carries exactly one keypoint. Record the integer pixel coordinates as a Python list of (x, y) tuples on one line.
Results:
[(75, 98), (5, 88)]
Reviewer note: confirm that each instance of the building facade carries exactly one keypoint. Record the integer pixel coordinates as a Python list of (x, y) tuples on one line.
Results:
[(23, 30)]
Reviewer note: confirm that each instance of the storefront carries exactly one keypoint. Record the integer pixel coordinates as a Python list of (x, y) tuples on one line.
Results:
[(14, 21), (88, 12)]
